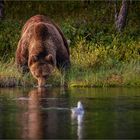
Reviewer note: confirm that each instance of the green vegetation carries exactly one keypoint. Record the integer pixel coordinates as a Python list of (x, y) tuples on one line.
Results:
[(10, 76), (99, 55)]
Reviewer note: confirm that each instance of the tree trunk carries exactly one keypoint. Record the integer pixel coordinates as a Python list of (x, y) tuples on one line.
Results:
[(120, 19), (1, 9)]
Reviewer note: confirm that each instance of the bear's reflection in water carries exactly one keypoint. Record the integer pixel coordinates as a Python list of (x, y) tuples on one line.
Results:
[(38, 123)]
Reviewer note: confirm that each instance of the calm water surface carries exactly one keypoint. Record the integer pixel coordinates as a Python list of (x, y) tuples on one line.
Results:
[(45, 113)]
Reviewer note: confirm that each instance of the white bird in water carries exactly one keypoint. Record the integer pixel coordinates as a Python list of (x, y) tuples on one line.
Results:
[(77, 118), (79, 110)]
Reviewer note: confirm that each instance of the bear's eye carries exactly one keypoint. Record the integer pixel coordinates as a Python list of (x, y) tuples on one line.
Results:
[(34, 58), (37, 76)]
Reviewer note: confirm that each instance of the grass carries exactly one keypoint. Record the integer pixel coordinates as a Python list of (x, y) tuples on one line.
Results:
[(98, 67), (124, 75), (11, 77), (92, 70), (99, 55)]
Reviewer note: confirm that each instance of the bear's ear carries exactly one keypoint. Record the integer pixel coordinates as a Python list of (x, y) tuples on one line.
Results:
[(49, 59)]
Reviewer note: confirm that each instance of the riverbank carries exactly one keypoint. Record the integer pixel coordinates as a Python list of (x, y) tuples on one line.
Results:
[(86, 71)]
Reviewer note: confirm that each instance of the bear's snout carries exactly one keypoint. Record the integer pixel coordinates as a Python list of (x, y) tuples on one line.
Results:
[(41, 82), (41, 72)]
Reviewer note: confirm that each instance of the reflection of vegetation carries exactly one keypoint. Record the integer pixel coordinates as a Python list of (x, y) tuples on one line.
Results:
[(99, 56)]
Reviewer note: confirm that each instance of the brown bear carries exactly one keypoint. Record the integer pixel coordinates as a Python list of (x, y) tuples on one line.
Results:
[(42, 46)]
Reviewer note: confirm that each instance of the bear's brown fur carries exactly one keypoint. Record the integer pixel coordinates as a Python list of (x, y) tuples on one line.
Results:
[(42, 46)]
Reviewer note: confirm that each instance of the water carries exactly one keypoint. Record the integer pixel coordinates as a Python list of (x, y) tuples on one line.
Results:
[(45, 113)]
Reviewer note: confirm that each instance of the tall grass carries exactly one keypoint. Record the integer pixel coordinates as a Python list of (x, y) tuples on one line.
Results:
[(10, 76), (98, 67), (127, 74)]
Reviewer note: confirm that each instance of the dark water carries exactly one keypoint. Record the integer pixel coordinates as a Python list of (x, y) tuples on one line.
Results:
[(45, 113)]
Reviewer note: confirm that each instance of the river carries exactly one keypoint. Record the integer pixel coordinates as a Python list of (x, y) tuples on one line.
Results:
[(31, 113)]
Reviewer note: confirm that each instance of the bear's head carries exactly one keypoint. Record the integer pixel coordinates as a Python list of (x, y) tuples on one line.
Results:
[(41, 68)]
